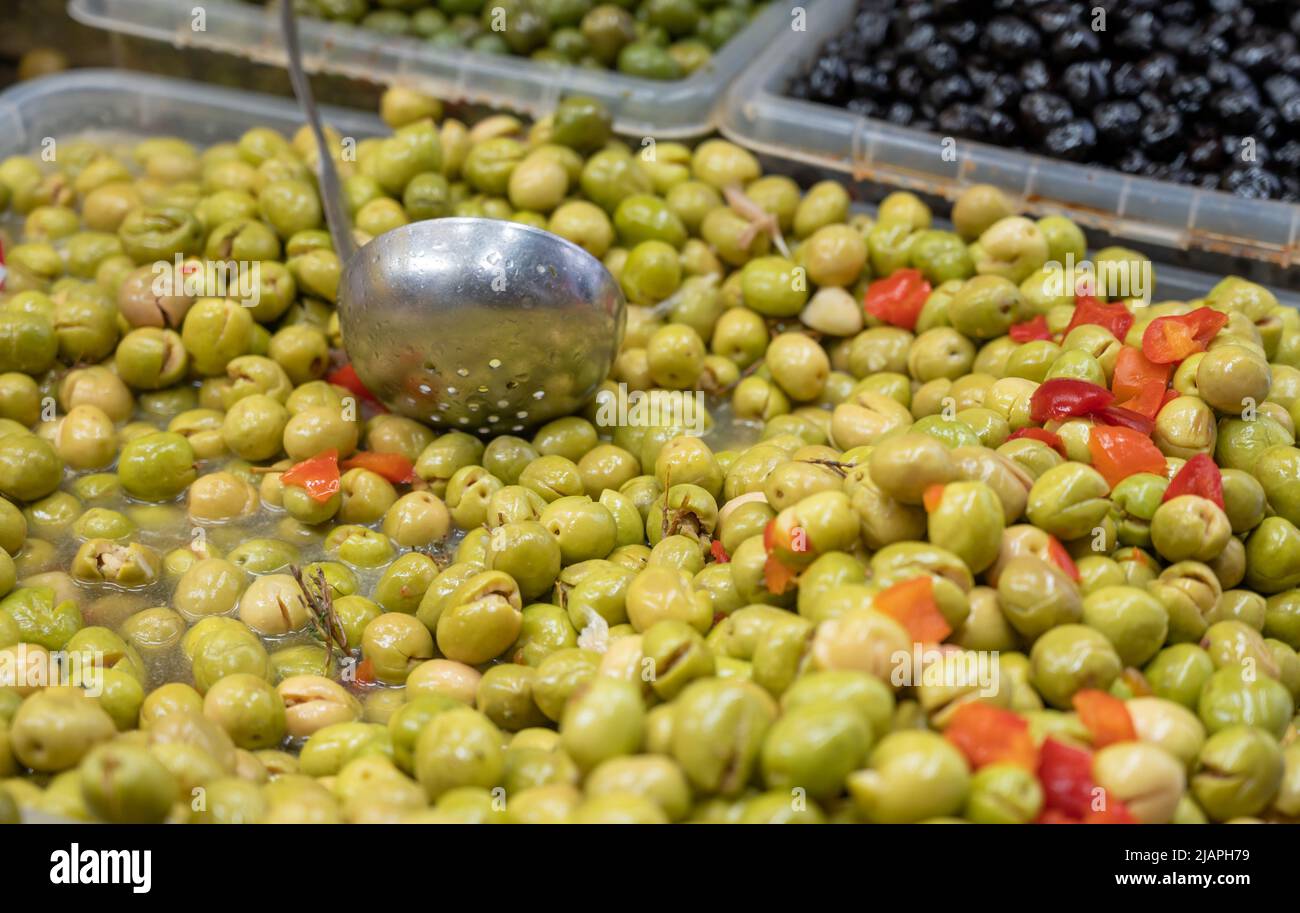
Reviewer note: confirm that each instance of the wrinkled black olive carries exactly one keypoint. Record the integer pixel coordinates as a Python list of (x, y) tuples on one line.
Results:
[(1118, 121)]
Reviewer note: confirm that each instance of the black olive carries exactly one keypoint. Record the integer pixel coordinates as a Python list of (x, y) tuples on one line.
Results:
[(1012, 38), (1076, 43), (1117, 121), (1205, 155), (918, 38), (1252, 182), (1177, 38), (1035, 76), (1158, 69), (900, 112), (870, 30), (1281, 86), (999, 126), (943, 92), (1238, 110), (909, 82), (1004, 91), (1255, 57), (867, 80), (1205, 49), (1055, 17), (1041, 111), (960, 120), (1287, 155), (1132, 161), (962, 34), (1189, 91), (1075, 140), (937, 60), (1127, 81), (1084, 84), (1289, 112), (980, 77), (1151, 102), (1181, 11), (1225, 75), (1160, 133)]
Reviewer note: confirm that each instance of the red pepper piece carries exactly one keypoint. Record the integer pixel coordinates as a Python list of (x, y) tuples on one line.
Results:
[(1050, 438), (392, 466), (1030, 330), (346, 377), (1061, 558), (1148, 401), (1168, 340), (1066, 775), (719, 552), (990, 735), (1133, 371), (1199, 476), (319, 475), (1118, 453), (911, 604), (777, 575), (366, 671), (931, 498), (898, 299), (1065, 397), (1105, 716), (1114, 317), (1125, 418)]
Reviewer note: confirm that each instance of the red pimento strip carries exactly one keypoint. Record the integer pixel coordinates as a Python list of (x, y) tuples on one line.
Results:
[(392, 466), (1063, 398), (346, 377), (1118, 453), (1050, 438), (1133, 371), (1105, 717), (1030, 330), (990, 735), (931, 498), (1198, 476), (1148, 401), (719, 552), (1114, 812), (366, 671), (911, 604), (1114, 317), (1061, 558), (318, 475), (778, 576), (1125, 418), (897, 299), (1066, 775), (1168, 340)]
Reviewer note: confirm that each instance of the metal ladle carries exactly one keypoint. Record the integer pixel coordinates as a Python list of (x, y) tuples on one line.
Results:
[(481, 325)]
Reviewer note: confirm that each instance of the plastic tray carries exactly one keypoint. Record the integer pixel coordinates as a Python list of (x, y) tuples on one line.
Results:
[(678, 109), (758, 115), (83, 102)]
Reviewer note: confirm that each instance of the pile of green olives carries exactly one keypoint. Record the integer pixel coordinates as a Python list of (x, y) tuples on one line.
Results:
[(654, 39), (235, 589)]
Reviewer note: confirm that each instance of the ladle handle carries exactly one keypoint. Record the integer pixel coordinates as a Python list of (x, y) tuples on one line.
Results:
[(331, 191)]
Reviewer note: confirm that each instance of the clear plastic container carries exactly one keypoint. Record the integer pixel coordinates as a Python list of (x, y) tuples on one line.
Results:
[(758, 115), (641, 107), (83, 103)]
